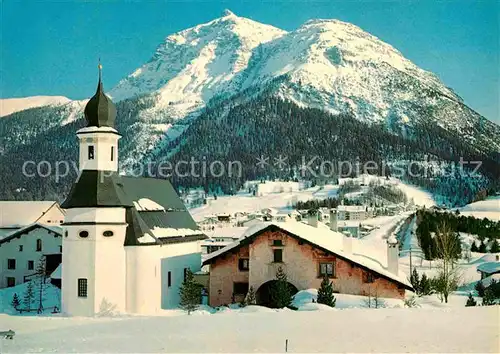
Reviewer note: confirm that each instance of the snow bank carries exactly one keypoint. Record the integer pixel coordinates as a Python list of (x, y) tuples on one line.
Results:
[(52, 297)]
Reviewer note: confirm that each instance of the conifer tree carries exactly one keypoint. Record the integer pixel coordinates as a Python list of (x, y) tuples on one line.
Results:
[(482, 247), (415, 281), (280, 291), (41, 284), (325, 293), (250, 298), (473, 247), (495, 247), (15, 301), (190, 293), (470, 301), (479, 288), (29, 294), (425, 285)]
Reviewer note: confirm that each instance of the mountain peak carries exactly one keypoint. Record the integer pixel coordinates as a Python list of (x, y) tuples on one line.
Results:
[(228, 13)]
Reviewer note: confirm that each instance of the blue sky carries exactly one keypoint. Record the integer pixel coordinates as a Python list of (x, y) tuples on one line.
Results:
[(51, 47)]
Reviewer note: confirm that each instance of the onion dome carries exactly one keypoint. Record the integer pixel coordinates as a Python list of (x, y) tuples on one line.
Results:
[(100, 111)]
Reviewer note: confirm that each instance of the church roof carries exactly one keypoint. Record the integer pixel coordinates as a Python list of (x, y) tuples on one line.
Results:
[(95, 188), (100, 111)]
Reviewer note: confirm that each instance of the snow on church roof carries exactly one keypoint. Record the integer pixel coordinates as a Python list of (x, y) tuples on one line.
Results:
[(367, 254), (146, 204)]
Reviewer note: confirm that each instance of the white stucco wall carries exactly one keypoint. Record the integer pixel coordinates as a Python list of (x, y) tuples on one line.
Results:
[(10, 250), (102, 142), (99, 259), (147, 274)]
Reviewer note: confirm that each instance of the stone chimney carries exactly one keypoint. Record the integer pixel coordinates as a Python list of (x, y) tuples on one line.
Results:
[(312, 218), (347, 243), (333, 220), (392, 255)]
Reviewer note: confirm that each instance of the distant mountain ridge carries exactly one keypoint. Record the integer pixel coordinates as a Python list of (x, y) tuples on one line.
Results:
[(231, 61)]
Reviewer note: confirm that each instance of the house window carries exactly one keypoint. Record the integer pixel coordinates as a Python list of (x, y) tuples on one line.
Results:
[(327, 269), (91, 152), (277, 243), (243, 264), (20, 248), (31, 265), (60, 249), (39, 245), (368, 277), (278, 256), (169, 279), (112, 153), (11, 281), (82, 287), (240, 288), (11, 263)]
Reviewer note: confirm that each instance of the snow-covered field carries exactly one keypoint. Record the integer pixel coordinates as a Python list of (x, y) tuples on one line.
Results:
[(462, 329), (488, 208)]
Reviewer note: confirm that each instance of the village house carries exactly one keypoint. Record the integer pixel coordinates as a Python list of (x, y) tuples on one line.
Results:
[(352, 212), (306, 253), (30, 231)]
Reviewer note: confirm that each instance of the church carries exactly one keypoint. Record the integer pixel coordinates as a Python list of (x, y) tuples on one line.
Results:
[(127, 241)]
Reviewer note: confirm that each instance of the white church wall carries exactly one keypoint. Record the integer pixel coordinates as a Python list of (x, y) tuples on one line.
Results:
[(102, 144), (102, 263), (52, 217), (147, 275), (95, 214), (12, 250)]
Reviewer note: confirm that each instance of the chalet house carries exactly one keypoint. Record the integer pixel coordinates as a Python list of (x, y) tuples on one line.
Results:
[(306, 254), (22, 250), (15, 215), (29, 231), (489, 268)]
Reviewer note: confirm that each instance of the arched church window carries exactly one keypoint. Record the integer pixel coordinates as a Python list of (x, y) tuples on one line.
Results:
[(84, 234), (107, 233)]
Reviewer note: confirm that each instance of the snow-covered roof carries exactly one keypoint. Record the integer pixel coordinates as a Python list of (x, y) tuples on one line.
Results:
[(364, 253), (487, 281), (24, 230), (489, 267), (226, 232), (57, 274), (22, 213), (146, 204)]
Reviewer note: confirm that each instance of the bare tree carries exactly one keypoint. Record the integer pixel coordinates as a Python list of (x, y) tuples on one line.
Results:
[(448, 248)]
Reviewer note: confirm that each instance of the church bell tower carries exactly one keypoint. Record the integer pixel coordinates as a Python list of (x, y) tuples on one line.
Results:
[(93, 257)]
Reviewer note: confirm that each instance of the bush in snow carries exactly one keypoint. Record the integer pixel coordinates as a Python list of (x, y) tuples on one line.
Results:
[(411, 302), (190, 293), (15, 301), (479, 288), (488, 298), (325, 293), (281, 295), (470, 301)]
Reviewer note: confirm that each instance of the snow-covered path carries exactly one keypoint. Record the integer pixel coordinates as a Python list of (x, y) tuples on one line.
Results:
[(361, 330)]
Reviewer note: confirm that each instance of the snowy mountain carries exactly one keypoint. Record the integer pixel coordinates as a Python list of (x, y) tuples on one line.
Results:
[(234, 64), (12, 105)]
